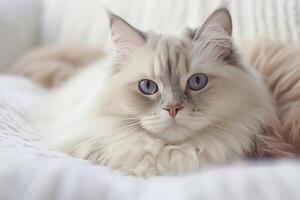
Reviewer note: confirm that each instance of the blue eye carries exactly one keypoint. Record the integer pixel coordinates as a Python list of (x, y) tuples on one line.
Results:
[(148, 87), (197, 81)]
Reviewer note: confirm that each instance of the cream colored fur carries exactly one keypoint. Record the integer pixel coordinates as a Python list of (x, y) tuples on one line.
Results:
[(100, 114), (279, 64), (50, 65)]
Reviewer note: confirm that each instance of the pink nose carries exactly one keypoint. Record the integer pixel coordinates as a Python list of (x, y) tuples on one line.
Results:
[(173, 109)]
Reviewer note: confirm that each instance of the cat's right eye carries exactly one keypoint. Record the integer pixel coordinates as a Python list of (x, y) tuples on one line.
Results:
[(148, 87)]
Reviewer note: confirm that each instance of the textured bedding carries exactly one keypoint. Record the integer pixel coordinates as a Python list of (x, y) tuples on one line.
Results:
[(30, 172)]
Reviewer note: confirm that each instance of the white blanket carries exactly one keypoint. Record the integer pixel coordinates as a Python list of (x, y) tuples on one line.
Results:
[(31, 173)]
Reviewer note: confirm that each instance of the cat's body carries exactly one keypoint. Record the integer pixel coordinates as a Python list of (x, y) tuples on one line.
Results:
[(102, 115), (78, 123)]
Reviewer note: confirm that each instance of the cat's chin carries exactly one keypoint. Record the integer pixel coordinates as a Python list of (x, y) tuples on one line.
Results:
[(175, 133)]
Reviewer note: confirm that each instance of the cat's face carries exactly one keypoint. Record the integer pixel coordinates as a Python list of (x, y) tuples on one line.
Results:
[(176, 87)]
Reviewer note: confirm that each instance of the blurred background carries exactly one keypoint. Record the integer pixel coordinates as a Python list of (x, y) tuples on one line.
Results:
[(26, 24)]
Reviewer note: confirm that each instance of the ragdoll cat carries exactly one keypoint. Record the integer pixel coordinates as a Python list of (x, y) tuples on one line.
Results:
[(162, 104)]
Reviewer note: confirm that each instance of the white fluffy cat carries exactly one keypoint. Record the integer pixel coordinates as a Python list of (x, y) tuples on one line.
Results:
[(161, 105)]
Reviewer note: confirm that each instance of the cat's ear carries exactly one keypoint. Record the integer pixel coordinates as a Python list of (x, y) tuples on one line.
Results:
[(124, 36), (214, 36), (219, 22)]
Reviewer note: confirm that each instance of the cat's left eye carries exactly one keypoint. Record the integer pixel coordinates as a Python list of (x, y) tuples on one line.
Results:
[(197, 81), (148, 87)]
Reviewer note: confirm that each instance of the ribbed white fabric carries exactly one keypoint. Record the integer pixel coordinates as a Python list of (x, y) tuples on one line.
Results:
[(85, 21), (28, 172)]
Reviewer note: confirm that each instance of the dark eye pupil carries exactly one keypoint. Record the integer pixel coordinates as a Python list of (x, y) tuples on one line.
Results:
[(197, 80), (148, 84)]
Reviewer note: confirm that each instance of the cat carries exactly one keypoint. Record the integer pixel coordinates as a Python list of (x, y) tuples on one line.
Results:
[(161, 104)]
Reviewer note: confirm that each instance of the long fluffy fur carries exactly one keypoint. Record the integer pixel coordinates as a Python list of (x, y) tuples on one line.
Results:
[(279, 64)]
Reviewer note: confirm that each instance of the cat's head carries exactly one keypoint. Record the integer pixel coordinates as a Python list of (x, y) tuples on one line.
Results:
[(177, 87)]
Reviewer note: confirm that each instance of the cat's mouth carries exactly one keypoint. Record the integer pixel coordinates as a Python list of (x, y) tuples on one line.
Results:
[(174, 132), (175, 125)]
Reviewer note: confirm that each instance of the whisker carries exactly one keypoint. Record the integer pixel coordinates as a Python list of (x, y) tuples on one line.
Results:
[(124, 127), (125, 135)]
